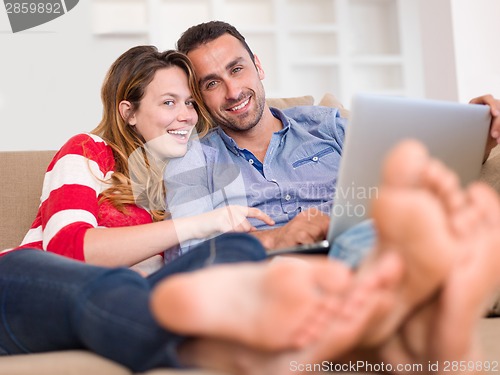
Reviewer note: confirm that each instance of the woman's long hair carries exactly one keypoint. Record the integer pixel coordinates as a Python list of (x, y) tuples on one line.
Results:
[(138, 178)]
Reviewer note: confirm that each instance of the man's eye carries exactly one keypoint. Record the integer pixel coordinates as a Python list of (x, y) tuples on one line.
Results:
[(236, 70), (211, 85)]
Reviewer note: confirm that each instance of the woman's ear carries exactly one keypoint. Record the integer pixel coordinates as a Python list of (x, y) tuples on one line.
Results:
[(127, 112)]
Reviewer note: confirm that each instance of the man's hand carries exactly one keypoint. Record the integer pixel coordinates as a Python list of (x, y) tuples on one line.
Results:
[(307, 227), (494, 137)]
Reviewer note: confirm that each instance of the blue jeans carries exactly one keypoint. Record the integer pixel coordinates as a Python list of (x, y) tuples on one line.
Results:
[(49, 303), (352, 246)]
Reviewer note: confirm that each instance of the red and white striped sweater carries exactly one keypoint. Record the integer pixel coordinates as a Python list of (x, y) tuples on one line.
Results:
[(69, 204)]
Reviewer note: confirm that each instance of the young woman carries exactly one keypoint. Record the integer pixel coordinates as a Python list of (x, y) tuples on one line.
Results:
[(103, 198), (103, 203)]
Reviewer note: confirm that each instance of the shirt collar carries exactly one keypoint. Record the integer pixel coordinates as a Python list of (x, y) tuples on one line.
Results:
[(283, 118)]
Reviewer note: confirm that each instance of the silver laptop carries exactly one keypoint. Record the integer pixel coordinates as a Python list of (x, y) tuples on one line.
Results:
[(453, 132)]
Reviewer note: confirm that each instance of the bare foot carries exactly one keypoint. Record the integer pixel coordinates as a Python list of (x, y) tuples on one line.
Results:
[(368, 297), (270, 306), (446, 328), (474, 278), (372, 297), (413, 216)]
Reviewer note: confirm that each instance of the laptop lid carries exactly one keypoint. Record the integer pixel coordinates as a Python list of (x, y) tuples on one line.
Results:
[(453, 132)]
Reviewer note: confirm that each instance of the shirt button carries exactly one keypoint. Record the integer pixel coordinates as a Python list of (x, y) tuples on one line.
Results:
[(288, 197), (251, 161), (315, 158)]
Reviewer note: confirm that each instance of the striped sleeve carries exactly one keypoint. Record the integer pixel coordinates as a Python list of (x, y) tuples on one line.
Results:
[(69, 201)]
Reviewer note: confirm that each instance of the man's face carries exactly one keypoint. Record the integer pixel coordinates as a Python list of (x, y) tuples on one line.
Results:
[(230, 83)]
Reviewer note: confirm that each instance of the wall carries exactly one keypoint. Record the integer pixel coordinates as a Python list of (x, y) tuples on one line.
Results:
[(460, 48), (45, 91), (438, 50), (50, 76), (476, 26)]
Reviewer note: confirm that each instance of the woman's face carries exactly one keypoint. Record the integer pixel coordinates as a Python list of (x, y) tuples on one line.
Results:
[(166, 115)]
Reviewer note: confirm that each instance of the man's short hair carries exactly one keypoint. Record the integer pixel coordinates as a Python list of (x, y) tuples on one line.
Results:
[(206, 32)]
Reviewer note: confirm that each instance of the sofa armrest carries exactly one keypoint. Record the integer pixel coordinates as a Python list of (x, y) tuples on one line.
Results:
[(22, 173)]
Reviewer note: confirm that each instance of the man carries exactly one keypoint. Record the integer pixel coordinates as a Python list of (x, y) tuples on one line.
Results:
[(288, 159)]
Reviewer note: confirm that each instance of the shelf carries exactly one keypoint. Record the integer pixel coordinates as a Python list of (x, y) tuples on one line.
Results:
[(314, 46), (315, 61), (314, 80), (259, 30), (377, 78), (314, 29), (126, 32), (374, 27), (125, 17), (377, 60), (310, 12), (249, 14), (305, 46)]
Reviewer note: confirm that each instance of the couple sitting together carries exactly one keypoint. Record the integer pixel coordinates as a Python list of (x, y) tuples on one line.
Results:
[(223, 304)]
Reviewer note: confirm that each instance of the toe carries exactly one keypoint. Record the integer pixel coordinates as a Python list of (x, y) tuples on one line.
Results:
[(404, 164), (487, 202), (445, 184), (332, 277)]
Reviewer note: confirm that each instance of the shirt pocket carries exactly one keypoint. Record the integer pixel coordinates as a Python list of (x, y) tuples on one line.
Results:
[(314, 158)]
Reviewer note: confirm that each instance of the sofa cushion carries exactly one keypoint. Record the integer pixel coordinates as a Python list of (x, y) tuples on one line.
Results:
[(490, 172), (330, 100), (76, 362), (72, 362), (22, 173), (282, 103)]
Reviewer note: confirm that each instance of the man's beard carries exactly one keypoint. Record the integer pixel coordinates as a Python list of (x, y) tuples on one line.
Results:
[(249, 119)]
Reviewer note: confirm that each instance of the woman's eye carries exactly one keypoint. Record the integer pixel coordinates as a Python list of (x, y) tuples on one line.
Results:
[(168, 102), (190, 103)]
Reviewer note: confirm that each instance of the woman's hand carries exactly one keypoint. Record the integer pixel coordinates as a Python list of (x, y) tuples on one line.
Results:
[(234, 218), (231, 218)]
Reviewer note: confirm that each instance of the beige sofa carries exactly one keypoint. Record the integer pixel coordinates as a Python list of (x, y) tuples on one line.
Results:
[(22, 173)]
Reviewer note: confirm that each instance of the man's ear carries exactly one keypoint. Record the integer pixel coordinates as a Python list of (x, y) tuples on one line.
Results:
[(260, 70), (127, 112)]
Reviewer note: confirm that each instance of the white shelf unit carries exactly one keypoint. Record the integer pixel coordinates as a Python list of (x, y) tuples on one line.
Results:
[(306, 46)]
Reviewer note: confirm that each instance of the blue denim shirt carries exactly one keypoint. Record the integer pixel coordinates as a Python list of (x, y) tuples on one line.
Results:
[(299, 170)]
